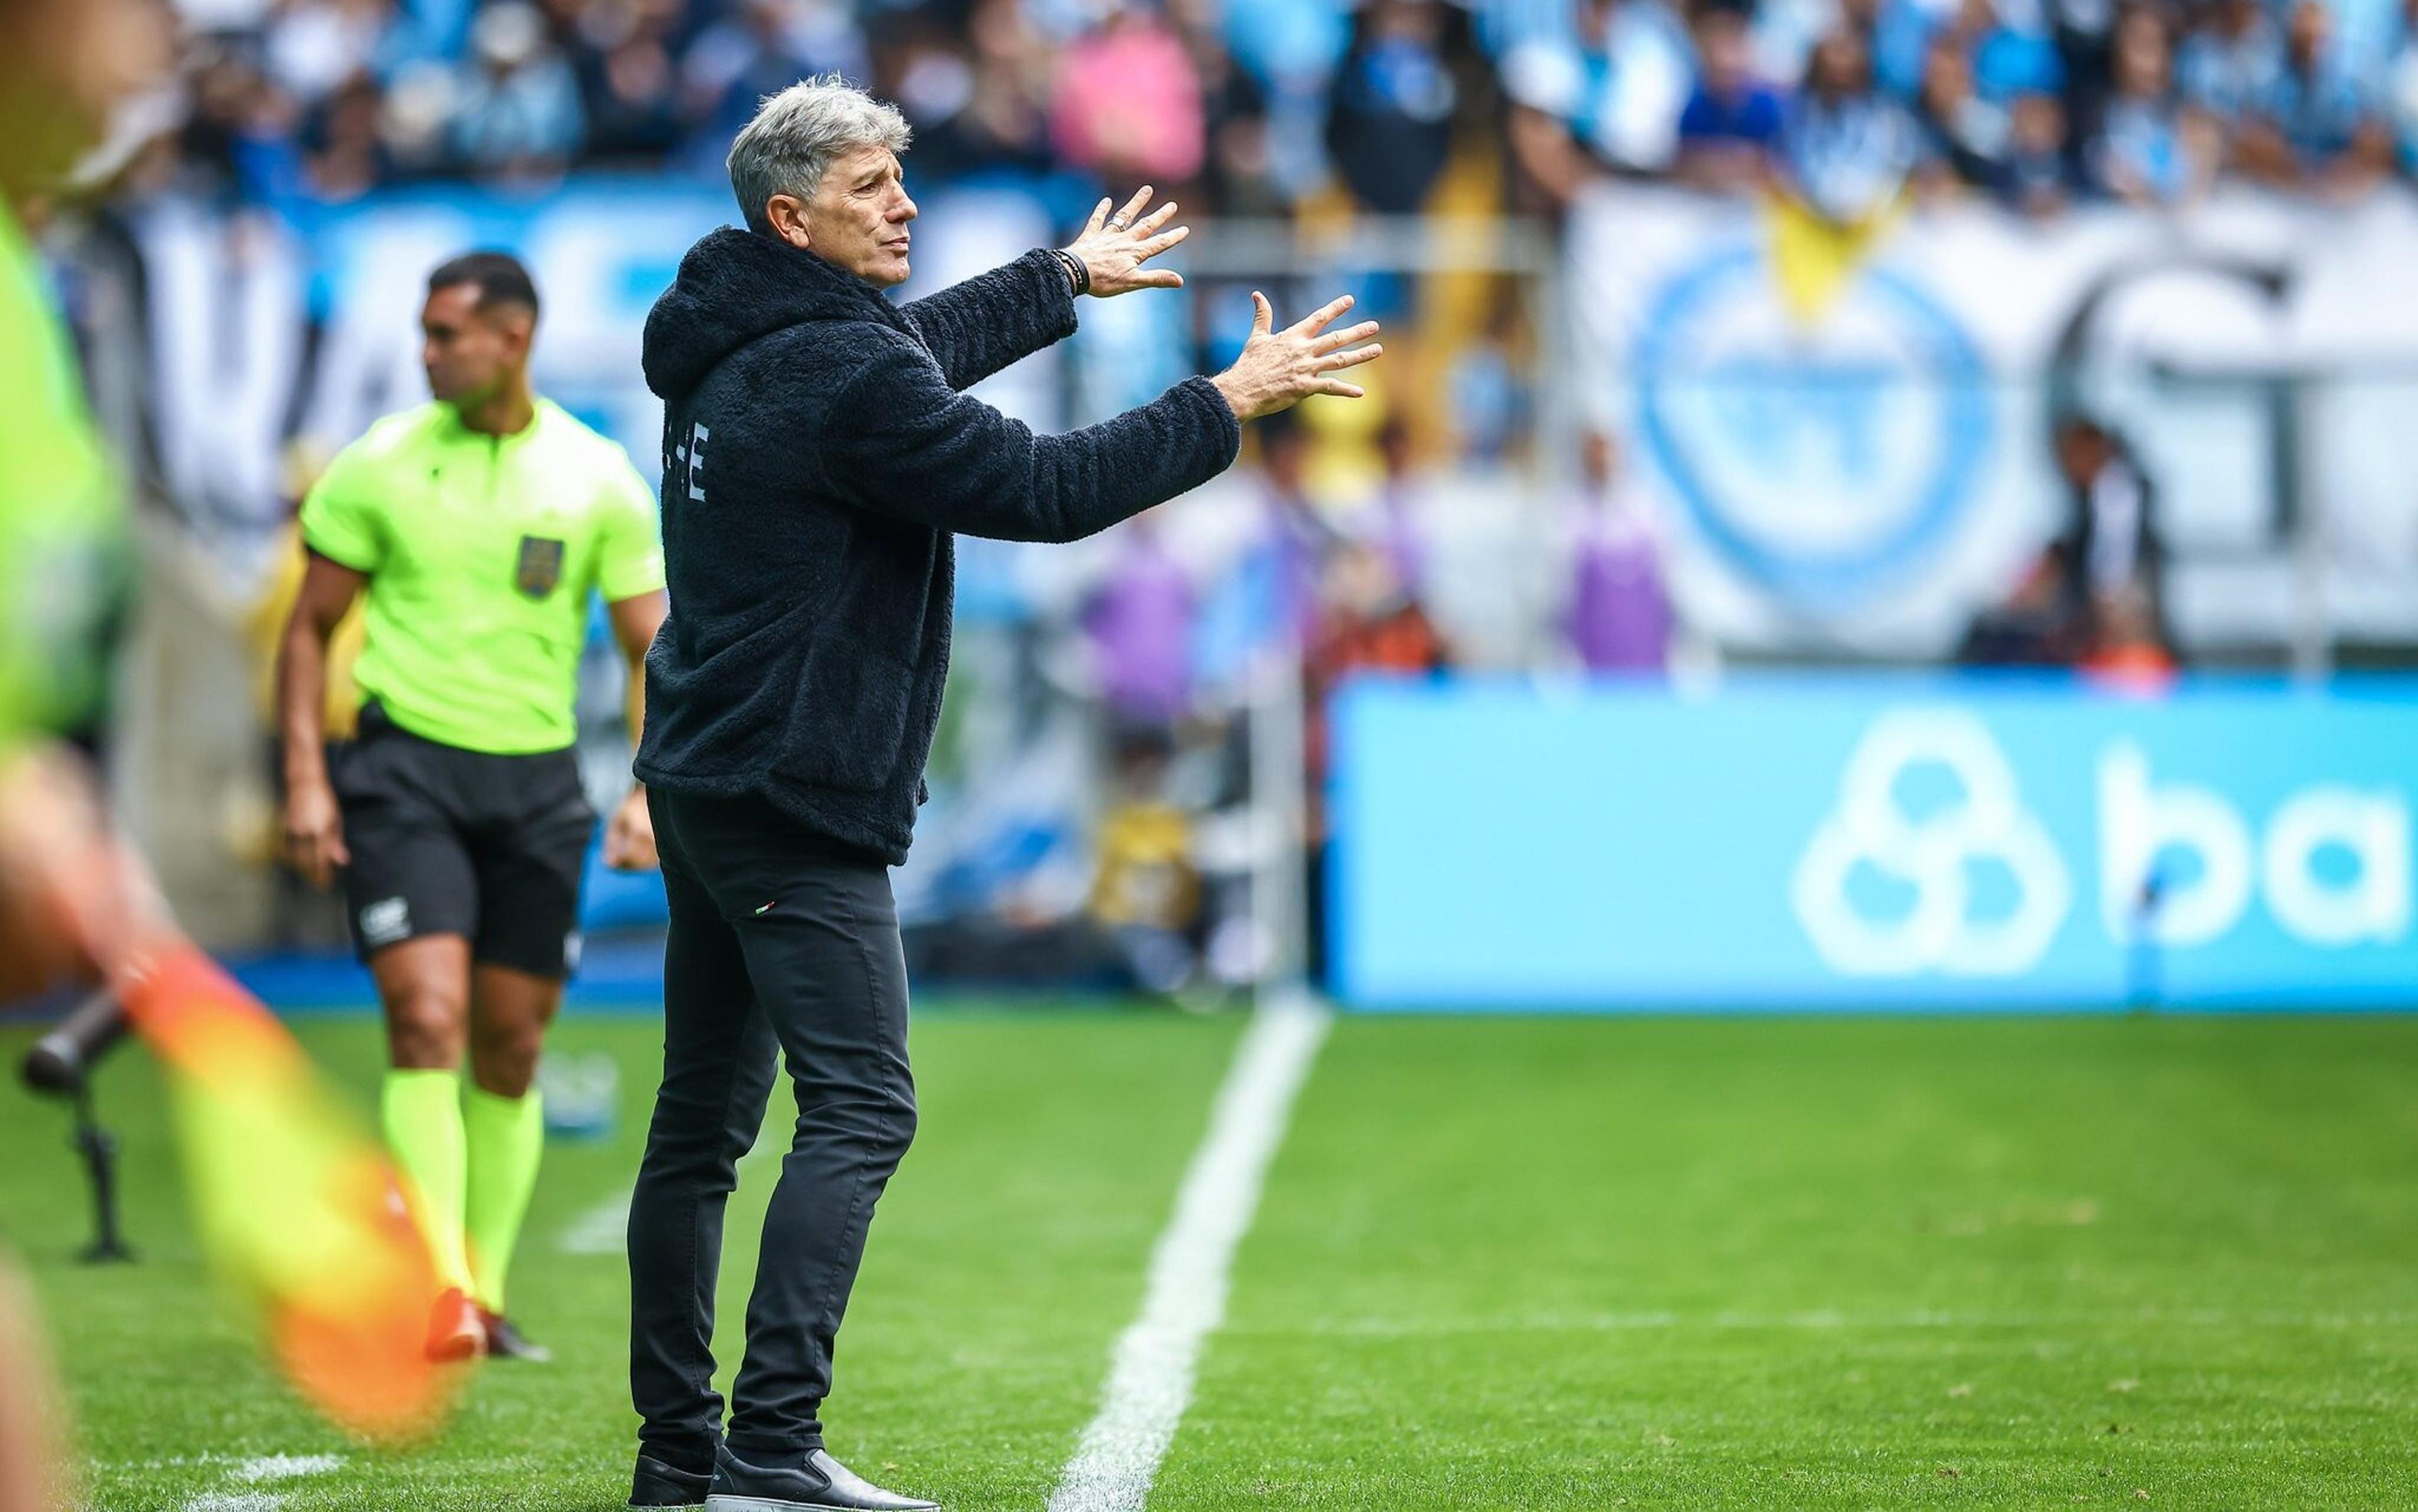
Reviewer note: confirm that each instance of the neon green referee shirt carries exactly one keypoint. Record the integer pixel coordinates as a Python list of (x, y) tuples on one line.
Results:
[(481, 551), (62, 556)]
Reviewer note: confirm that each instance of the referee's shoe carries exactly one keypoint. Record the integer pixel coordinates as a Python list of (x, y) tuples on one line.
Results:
[(506, 1342)]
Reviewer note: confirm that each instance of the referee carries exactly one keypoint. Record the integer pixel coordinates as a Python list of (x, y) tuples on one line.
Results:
[(477, 525), (820, 455)]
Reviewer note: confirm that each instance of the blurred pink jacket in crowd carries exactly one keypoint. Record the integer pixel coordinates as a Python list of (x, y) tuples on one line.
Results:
[(1128, 104)]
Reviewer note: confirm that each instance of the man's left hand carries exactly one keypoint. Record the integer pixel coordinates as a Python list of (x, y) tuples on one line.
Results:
[(1114, 247), (629, 839)]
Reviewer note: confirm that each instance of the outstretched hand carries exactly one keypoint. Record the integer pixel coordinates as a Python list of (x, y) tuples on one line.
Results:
[(1113, 247), (1278, 369)]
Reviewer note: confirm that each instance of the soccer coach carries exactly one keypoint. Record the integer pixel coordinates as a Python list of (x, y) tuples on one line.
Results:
[(818, 453)]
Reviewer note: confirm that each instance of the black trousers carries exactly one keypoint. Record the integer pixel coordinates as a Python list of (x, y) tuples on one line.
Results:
[(784, 948)]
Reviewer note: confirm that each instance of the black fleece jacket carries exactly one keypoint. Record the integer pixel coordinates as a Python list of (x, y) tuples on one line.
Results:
[(816, 458)]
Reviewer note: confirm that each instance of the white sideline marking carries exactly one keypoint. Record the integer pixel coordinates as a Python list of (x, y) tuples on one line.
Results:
[(602, 1229), (265, 1469), (1150, 1370), (284, 1467)]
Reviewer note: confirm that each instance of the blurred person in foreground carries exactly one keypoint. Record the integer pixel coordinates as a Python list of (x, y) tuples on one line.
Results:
[(820, 455), (477, 526), (62, 68), (288, 1202)]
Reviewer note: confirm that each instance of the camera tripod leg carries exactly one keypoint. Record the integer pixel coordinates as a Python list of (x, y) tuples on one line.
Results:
[(99, 1147)]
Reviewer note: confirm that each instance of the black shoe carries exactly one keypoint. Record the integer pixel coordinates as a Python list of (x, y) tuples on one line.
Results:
[(816, 1483), (505, 1342), (657, 1484)]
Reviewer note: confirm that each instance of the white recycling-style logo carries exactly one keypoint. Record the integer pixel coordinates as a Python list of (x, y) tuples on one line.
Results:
[(1930, 852)]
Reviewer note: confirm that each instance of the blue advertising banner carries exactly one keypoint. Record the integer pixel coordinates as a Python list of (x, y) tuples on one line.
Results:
[(1931, 844)]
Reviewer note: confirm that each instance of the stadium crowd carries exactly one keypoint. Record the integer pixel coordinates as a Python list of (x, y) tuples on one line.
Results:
[(1254, 106)]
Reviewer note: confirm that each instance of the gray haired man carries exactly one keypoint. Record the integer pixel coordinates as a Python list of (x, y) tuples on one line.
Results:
[(819, 456)]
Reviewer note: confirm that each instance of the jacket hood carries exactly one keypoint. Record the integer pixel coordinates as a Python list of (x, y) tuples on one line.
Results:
[(735, 288)]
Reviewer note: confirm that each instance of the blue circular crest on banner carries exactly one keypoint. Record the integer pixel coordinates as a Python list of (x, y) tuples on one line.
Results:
[(1825, 465)]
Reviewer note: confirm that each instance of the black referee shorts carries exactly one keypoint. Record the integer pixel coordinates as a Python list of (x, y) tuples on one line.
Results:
[(451, 842)]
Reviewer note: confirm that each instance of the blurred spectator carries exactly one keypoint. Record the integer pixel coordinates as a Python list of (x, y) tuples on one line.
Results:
[(1128, 104), (416, 122), (1614, 100), (2400, 74), (760, 48), (629, 87), (518, 116), (1897, 32), (345, 148), (1785, 31), (2227, 65), (1489, 393), (2313, 121), (2149, 152), (1619, 617), (1268, 597), (2009, 60), (1730, 126), (239, 141), (2083, 32), (1847, 148), (2096, 596), (2110, 545), (1368, 621), (313, 47), (988, 110), (1239, 174), (2033, 179), (1139, 626), (1146, 892), (1966, 138), (1252, 107), (1291, 49), (1389, 125)]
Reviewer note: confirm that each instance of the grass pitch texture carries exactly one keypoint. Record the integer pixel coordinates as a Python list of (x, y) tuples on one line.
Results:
[(1498, 1263)]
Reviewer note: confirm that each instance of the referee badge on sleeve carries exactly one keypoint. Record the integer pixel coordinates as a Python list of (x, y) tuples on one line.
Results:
[(540, 566)]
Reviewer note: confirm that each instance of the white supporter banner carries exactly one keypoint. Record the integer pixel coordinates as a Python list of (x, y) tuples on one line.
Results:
[(1864, 470)]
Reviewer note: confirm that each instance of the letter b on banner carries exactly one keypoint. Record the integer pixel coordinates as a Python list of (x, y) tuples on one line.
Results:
[(2142, 825), (2138, 824)]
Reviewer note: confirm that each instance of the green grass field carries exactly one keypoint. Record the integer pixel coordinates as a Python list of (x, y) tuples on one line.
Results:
[(1499, 1264)]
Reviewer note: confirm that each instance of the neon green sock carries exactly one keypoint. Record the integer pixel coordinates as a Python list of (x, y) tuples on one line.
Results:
[(421, 1111), (506, 1138)]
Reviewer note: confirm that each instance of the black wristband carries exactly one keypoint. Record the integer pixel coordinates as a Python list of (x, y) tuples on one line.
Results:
[(1079, 275)]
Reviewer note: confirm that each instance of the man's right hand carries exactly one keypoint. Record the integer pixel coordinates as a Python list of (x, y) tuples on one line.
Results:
[(1278, 369), (314, 832)]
